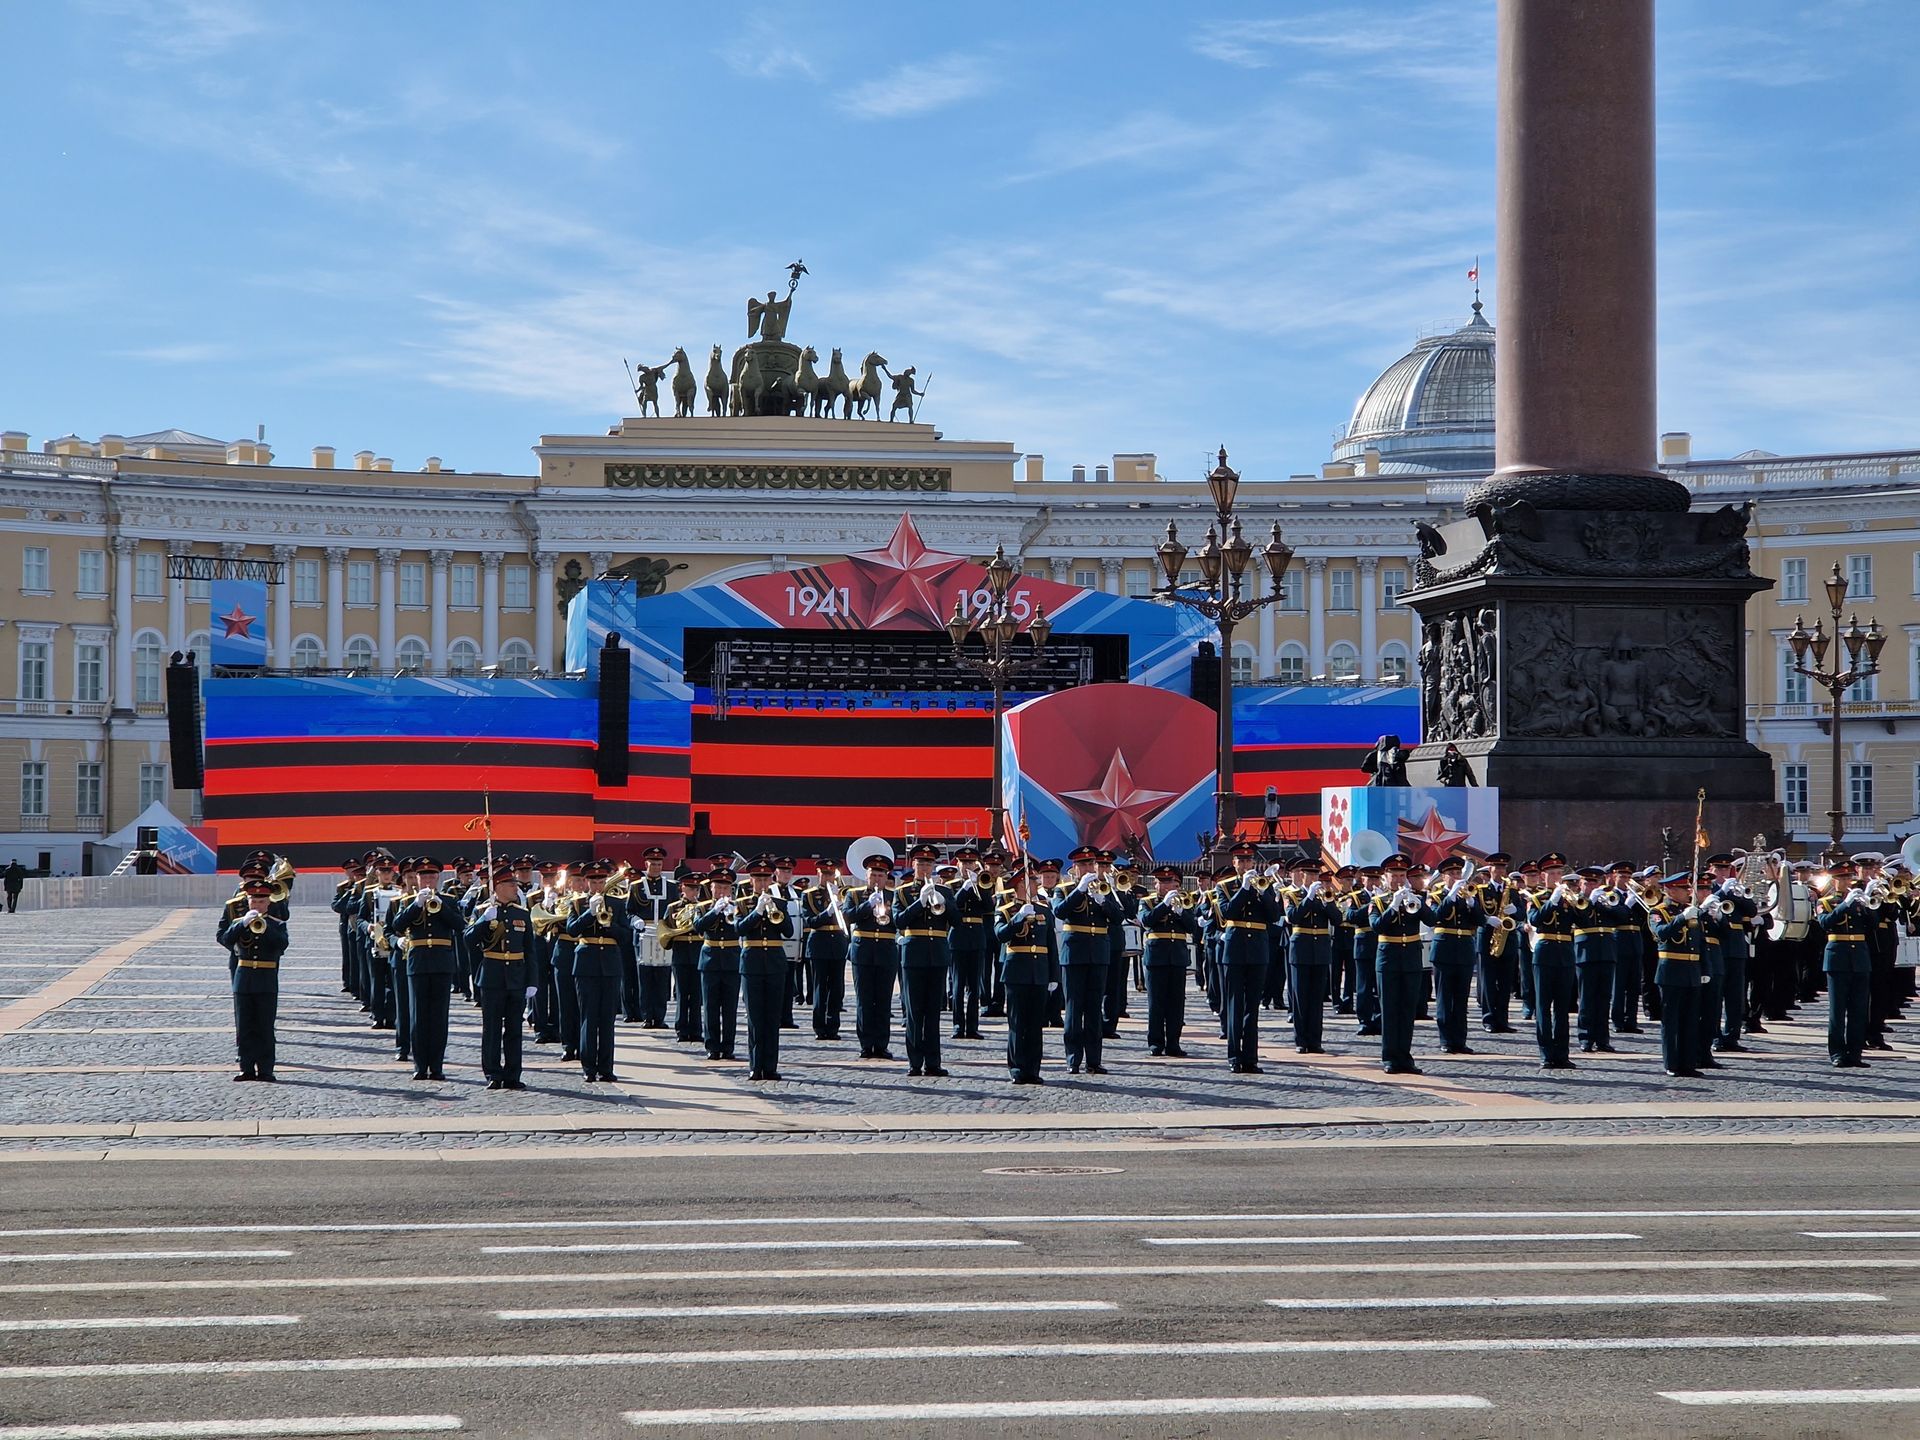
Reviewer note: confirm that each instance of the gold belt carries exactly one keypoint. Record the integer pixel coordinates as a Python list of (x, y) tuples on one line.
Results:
[(501, 955), (1448, 930), (428, 944), (763, 944), (1165, 935), (1026, 949), (259, 964), (1309, 930), (924, 934), (1085, 929), (873, 934), (595, 940), (1676, 955), (1246, 924)]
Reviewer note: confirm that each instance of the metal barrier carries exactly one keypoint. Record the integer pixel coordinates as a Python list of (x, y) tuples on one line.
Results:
[(87, 892)]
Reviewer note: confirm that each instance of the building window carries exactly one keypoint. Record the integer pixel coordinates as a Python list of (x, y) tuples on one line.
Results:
[(146, 574), (90, 675), (93, 572), (1139, 584), (359, 582), (1794, 790), (86, 789), (516, 658), (1793, 580), (1860, 577), (199, 589), (413, 585), (515, 587), (1293, 591), (1086, 579), (36, 568), (1393, 584), (36, 659), (359, 654), (1793, 685), (33, 787), (153, 786), (147, 662), (1394, 666), (1244, 661), (1291, 667), (1343, 664), (466, 586), (412, 653), (307, 653), (463, 658), (1867, 687), (1860, 789), (1340, 588), (306, 582)]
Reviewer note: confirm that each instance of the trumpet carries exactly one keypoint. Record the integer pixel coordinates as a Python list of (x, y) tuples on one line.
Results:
[(1178, 902), (770, 906), (1408, 900), (257, 923), (931, 897), (1101, 887), (432, 903), (597, 904), (880, 905), (729, 910), (833, 904)]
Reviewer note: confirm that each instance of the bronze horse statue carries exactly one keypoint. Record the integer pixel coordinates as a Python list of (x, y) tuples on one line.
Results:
[(684, 385), (807, 379), (866, 390), (717, 385), (830, 388)]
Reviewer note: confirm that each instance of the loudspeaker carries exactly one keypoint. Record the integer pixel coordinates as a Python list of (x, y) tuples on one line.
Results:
[(147, 837), (1203, 684), (616, 679), (183, 721)]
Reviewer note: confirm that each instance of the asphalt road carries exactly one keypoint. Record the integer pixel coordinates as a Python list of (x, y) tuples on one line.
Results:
[(1420, 1291)]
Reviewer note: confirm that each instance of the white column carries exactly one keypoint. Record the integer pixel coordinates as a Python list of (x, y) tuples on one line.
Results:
[(441, 560), (599, 562), (283, 607), (1062, 568), (489, 610), (1369, 604), (1264, 663), (123, 548), (1316, 615), (543, 612), (336, 606), (389, 593), (1110, 576), (177, 598)]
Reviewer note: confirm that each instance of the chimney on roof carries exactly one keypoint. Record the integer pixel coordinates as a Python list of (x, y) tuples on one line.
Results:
[(1079, 474), (1369, 462), (1101, 475), (239, 452), (262, 454), (383, 463), (13, 440), (363, 459), (323, 457), (1676, 447), (1036, 467), (432, 467)]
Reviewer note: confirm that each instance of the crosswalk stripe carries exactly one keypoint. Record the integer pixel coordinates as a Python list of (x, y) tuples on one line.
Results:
[(1510, 1238), (236, 1429), (705, 1312), (150, 1322), (706, 1245), (1793, 1397), (31, 1258), (1048, 1409), (1499, 1302), (1862, 1234)]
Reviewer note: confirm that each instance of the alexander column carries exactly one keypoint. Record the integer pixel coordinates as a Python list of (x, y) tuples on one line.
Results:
[(1582, 633)]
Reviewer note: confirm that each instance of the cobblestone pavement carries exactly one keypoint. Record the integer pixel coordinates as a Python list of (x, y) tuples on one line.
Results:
[(150, 1044)]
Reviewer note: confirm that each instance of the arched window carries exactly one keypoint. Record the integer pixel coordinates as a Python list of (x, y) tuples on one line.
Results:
[(359, 653), (200, 647), (516, 658), (1343, 664), (411, 653), (1244, 660), (1395, 669), (307, 653), (1291, 668), (149, 665), (463, 658)]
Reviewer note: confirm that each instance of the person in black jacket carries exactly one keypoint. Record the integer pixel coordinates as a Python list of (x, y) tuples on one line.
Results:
[(502, 936), (254, 941)]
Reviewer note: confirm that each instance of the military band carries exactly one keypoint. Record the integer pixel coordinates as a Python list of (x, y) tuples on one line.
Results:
[(1709, 954)]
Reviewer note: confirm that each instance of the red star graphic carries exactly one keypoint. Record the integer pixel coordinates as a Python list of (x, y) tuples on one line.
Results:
[(904, 579), (1430, 841), (1117, 807), (239, 623)]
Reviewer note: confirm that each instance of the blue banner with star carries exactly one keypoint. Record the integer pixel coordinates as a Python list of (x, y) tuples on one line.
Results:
[(239, 624)]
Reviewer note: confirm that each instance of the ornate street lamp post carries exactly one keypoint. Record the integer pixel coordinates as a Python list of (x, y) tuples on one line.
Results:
[(1861, 654), (998, 628), (1226, 597)]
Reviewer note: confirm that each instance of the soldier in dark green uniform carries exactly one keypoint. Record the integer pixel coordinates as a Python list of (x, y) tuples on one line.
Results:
[(923, 906), (344, 894), (825, 943), (1084, 910), (1357, 916), (1311, 917), (502, 936), (1675, 923), (595, 926), (718, 927), (1459, 921), (1596, 918), (993, 880), (1030, 970), (1249, 910), (677, 933), (1166, 938), (1552, 913), (1395, 916), (875, 954), (968, 919), (255, 940), (431, 925), (1843, 917), (764, 927)]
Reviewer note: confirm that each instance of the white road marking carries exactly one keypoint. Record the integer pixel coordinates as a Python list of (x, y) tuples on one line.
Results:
[(1379, 1239), (705, 1245), (222, 1429), (1515, 1302), (928, 1272), (704, 1312), (31, 1258), (723, 1222), (150, 1322), (1863, 1234), (1085, 1350), (1048, 1409), (1792, 1397)]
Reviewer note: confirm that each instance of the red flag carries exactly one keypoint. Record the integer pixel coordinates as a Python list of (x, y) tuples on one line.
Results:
[(1474, 273)]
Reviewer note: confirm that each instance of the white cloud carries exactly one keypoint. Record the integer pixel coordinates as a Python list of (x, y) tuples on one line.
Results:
[(764, 50), (919, 88), (1151, 137), (187, 352), (182, 31)]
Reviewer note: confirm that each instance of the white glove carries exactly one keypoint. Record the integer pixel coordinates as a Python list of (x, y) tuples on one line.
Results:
[(929, 892), (1027, 912), (1085, 880), (1052, 985), (1692, 912), (1313, 891), (492, 912), (532, 990)]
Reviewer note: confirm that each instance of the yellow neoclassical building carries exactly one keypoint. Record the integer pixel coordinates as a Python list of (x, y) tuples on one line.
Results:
[(440, 571)]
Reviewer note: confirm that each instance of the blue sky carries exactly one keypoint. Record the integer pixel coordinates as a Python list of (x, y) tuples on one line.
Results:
[(437, 228)]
